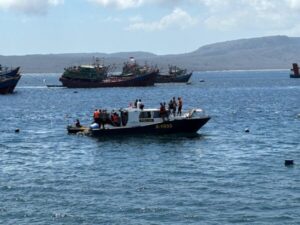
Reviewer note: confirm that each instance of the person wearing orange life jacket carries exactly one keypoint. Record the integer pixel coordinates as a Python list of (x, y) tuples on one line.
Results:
[(97, 116)]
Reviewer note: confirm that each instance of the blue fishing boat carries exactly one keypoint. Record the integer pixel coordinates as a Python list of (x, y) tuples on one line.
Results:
[(9, 79), (175, 75)]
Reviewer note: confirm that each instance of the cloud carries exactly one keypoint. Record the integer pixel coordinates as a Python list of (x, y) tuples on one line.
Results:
[(120, 4), (29, 6), (294, 4), (127, 4), (178, 18)]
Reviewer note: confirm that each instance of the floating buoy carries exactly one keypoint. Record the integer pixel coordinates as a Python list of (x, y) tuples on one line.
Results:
[(75, 92), (202, 80), (289, 162), (247, 130), (17, 130)]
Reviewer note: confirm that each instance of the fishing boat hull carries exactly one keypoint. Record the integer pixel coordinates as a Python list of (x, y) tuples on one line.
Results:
[(7, 85), (173, 78), (130, 81), (167, 127), (10, 73)]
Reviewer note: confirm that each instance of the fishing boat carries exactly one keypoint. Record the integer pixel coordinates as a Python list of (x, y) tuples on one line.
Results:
[(97, 76), (295, 71), (131, 67), (112, 81), (134, 121), (175, 75), (9, 79)]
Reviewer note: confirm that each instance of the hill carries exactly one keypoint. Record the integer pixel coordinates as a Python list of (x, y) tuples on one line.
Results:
[(274, 52)]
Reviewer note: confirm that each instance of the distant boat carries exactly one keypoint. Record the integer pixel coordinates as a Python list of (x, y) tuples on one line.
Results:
[(295, 71), (96, 76), (9, 79), (114, 81), (175, 75)]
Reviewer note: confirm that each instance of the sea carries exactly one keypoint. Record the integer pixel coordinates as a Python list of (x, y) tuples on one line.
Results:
[(222, 175)]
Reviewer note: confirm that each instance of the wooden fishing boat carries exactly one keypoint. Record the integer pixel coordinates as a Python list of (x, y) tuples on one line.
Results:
[(9, 79)]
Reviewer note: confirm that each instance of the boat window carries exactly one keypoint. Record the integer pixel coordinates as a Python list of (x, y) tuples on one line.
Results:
[(145, 117), (156, 114)]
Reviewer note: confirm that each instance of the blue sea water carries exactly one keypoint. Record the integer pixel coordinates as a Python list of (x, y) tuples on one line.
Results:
[(222, 176)]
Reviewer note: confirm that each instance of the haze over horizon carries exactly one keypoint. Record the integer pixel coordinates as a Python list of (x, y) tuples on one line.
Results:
[(157, 26)]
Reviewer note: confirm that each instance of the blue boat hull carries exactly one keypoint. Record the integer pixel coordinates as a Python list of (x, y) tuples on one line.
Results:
[(8, 85)]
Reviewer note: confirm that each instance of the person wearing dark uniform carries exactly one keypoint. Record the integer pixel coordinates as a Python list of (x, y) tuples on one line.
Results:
[(179, 106), (174, 106), (77, 124)]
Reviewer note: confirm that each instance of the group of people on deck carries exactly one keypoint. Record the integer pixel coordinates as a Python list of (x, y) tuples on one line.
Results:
[(173, 106), (102, 117)]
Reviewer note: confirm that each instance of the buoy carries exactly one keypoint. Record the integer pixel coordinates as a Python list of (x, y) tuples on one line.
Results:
[(247, 130), (75, 92), (289, 162), (17, 130)]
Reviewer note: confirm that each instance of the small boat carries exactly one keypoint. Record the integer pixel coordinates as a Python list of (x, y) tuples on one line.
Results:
[(9, 79), (134, 121), (295, 71), (54, 85), (77, 129), (175, 75)]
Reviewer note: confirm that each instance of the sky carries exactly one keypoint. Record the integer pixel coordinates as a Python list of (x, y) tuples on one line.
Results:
[(157, 26)]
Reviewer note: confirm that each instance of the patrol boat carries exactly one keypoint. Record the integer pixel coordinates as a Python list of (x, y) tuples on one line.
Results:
[(134, 121)]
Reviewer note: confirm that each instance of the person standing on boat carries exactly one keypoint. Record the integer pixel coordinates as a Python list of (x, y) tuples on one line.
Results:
[(170, 106), (138, 104), (102, 118), (179, 106), (162, 111), (135, 103), (174, 106), (97, 116), (141, 105)]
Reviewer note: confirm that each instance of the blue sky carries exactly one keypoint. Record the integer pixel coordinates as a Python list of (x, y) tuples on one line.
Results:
[(158, 26)]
